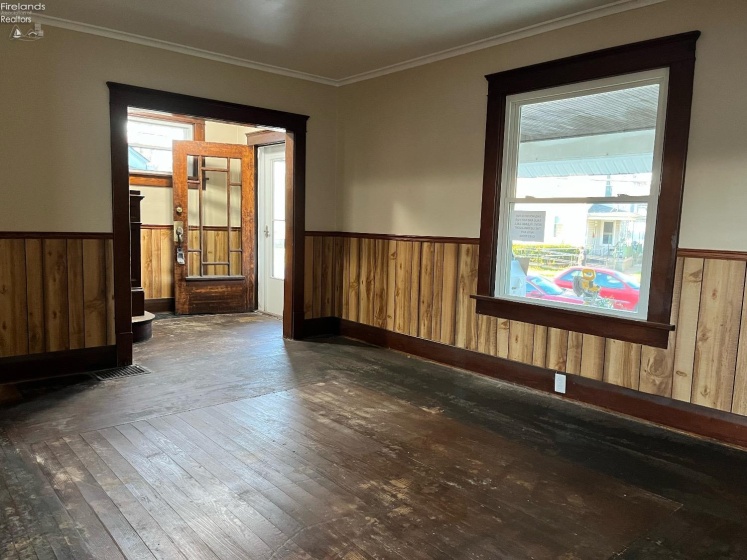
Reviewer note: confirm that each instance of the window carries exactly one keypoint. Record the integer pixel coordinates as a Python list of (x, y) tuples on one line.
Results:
[(150, 143), (577, 160), (609, 228)]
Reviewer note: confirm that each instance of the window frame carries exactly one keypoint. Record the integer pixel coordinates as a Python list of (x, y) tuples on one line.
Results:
[(149, 178), (510, 181), (676, 53)]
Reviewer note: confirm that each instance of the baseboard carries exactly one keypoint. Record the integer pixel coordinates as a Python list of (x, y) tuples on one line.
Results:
[(687, 417), (321, 326), (30, 367), (160, 305)]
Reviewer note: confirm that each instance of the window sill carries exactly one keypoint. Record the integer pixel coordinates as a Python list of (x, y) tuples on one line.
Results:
[(150, 179), (648, 333)]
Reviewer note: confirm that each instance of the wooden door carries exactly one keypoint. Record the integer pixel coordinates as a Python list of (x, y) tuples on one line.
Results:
[(214, 205)]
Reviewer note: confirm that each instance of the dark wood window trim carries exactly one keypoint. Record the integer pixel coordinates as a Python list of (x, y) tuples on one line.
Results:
[(122, 96), (677, 53)]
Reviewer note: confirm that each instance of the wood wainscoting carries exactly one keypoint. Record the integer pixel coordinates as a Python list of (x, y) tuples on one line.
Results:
[(421, 287), (157, 263), (56, 295)]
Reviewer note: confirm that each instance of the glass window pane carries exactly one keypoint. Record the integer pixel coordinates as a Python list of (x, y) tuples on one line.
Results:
[(235, 166), (150, 143), (588, 145), (193, 209), (278, 249), (278, 190), (215, 199), (156, 134), (576, 254), (150, 159)]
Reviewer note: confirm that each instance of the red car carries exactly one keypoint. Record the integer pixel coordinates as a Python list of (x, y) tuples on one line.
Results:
[(620, 288), (541, 288)]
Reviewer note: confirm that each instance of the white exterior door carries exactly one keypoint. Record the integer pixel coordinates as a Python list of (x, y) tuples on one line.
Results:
[(271, 205)]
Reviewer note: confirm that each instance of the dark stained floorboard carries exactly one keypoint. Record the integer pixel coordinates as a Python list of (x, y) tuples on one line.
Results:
[(242, 445)]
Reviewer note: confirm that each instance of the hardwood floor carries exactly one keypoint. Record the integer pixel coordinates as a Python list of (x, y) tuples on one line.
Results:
[(242, 445)]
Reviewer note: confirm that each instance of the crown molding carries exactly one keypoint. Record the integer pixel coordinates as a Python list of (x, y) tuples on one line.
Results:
[(182, 49), (615, 7), (566, 21)]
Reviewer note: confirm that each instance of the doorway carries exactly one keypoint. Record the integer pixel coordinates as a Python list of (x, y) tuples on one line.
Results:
[(123, 97), (271, 220)]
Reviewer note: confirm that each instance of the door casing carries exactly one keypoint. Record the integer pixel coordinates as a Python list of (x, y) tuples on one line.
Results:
[(122, 96)]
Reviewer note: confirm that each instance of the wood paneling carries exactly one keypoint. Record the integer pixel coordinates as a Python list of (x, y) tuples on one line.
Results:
[(13, 310), (426, 285), (157, 261), (54, 294), (94, 293), (35, 295), (75, 290), (718, 333)]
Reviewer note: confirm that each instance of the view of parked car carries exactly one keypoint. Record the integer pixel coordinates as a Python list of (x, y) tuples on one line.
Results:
[(542, 288), (622, 289)]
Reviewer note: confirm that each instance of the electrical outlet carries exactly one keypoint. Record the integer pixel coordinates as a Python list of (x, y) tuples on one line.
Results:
[(559, 382)]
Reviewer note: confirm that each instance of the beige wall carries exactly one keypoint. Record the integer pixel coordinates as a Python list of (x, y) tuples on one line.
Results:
[(54, 124), (226, 133), (410, 144)]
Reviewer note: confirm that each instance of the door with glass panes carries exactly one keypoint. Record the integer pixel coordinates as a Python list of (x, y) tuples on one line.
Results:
[(271, 203), (214, 228)]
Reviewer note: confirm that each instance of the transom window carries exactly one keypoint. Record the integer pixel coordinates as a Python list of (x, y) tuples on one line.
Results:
[(579, 191)]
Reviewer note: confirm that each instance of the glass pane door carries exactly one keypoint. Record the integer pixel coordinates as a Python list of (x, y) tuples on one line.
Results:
[(278, 219), (215, 218)]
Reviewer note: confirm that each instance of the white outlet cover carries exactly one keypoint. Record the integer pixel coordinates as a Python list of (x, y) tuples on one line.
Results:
[(559, 383)]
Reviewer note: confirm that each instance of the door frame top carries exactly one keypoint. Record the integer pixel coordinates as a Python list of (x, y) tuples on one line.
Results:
[(122, 96)]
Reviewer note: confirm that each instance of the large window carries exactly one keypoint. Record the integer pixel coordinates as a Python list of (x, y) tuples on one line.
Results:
[(579, 154), (579, 192)]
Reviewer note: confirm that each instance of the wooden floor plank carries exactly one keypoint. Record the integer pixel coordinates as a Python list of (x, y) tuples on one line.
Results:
[(22, 527), (520, 467), (399, 475), (87, 523), (380, 495), (14, 541), (288, 496), (100, 503), (242, 480), (181, 533), (216, 463), (254, 522), (220, 513), (44, 517), (146, 526), (212, 526)]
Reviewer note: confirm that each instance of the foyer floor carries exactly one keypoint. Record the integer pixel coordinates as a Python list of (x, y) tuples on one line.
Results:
[(242, 445)]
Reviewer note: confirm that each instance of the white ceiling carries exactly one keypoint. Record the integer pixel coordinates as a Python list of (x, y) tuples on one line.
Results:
[(331, 39)]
